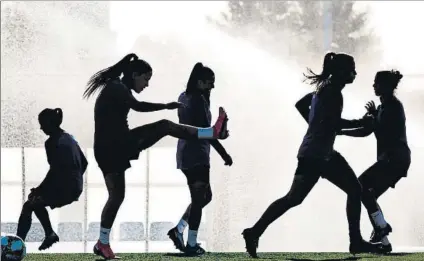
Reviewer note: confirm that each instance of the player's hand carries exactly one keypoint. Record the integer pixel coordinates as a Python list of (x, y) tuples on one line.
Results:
[(371, 109), (367, 120), (174, 105), (228, 160)]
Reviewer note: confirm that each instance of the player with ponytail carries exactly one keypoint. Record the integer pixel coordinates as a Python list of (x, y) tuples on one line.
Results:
[(115, 144), (315, 155), (63, 183), (193, 157), (388, 123)]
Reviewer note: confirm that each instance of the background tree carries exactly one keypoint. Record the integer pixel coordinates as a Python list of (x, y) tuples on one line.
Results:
[(349, 26), (305, 20), (264, 15)]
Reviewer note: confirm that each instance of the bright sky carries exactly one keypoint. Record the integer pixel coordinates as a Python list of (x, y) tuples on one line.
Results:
[(397, 22)]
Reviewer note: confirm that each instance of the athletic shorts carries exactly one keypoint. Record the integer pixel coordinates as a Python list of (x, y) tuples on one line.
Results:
[(324, 168), (56, 199), (198, 173), (114, 157), (311, 167), (337, 165), (384, 174)]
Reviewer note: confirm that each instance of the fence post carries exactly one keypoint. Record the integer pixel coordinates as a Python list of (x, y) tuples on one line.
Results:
[(23, 175), (85, 222), (328, 25), (147, 199)]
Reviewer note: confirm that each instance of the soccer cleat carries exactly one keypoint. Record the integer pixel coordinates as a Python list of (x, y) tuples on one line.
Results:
[(195, 250), (252, 242), (220, 128), (49, 241), (379, 233), (177, 238), (104, 251), (363, 246), (387, 248)]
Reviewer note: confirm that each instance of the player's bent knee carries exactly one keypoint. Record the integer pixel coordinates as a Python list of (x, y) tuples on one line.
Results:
[(367, 197), (116, 196), (208, 198), (294, 200), (369, 192), (28, 207), (165, 124), (198, 198), (119, 198)]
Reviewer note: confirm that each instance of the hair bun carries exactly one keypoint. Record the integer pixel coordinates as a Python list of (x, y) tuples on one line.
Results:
[(397, 74), (134, 56), (330, 55), (59, 116), (198, 65)]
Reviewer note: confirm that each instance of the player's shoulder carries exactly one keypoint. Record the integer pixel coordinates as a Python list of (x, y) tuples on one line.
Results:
[(191, 99), (395, 104), (115, 83), (308, 97), (182, 97), (310, 94), (66, 139), (116, 86)]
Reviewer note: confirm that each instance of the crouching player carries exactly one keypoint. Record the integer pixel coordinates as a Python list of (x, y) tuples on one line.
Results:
[(63, 183)]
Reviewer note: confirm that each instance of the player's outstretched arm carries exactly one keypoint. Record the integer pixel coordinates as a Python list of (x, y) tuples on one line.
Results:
[(140, 106), (358, 132)]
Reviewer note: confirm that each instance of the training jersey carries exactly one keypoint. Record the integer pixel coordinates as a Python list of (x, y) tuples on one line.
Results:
[(111, 113), (67, 163), (390, 131), (324, 122), (197, 113)]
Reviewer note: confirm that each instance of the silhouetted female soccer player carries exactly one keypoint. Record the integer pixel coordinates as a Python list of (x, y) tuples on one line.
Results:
[(336, 160), (115, 144), (315, 153), (193, 156), (63, 183), (393, 153)]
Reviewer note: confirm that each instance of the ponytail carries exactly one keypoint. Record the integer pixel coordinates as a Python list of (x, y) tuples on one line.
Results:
[(321, 79), (101, 78), (195, 76), (59, 116)]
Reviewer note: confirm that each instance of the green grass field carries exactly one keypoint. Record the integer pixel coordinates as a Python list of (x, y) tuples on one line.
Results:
[(233, 256)]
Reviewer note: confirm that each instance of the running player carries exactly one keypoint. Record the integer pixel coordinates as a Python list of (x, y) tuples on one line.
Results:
[(115, 144), (393, 153), (315, 153), (193, 156), (63, 183)]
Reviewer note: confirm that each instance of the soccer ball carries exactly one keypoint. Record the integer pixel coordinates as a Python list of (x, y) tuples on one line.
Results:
[(12, 248)]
